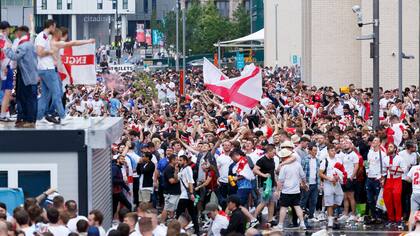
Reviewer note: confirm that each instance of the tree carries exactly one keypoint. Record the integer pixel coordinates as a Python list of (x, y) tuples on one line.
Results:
[(241, 21)]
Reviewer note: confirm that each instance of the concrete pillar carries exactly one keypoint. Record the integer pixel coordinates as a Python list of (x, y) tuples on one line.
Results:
[(50, 16), (124, 27), (85, 30), (73, 27)]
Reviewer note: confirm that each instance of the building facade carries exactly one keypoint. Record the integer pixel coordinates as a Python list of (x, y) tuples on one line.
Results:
[(323, 34), (16, 12), (87, 19)]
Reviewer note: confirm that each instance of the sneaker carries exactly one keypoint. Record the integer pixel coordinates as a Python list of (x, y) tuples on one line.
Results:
[(401, 225), (321, 217), (66, 120), (302, 226), (330, 222), (254, 223), (273, 223), (352, 218), (343, 218), (313, 220), (5, 119), (278, 227), (52, 119)]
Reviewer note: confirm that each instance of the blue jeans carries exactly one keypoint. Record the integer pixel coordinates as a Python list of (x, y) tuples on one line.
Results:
[(309, 199), (373, 187), (50, 90)]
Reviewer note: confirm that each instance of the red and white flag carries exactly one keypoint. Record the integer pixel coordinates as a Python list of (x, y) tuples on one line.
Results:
[(242, 169), (78, 65), (211, 73), (244, 92)]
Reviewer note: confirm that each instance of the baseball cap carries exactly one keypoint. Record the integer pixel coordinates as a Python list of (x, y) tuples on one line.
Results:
[(4, 25), (211, 207)]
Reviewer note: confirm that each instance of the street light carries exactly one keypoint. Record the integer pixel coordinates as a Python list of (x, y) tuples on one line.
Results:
[(374, 46)]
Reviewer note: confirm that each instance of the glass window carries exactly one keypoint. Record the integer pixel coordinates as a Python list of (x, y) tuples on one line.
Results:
[(59, 4), (125, 4), (146, 6), (154, 5), (100, 4), (114, 4), (44, 5), (223, 7), (3, 179), (26, 180), (69, 4)]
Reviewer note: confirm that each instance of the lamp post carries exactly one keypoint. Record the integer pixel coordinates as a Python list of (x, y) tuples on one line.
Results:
[(183, 42), (177, 36), (400, 56)]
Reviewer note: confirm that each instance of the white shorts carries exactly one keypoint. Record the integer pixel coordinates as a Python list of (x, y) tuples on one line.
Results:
[(415, 202), (333, 194), (171, 202), (144, 196)]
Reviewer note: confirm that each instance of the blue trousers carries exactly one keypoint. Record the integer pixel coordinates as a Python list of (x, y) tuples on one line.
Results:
[(26, 99), (373, 187), (309, 199), (50, 90)]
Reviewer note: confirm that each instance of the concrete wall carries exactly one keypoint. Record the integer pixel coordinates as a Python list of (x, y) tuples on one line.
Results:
[(327, 33), (335, 51), (289, 31), (389, 43)]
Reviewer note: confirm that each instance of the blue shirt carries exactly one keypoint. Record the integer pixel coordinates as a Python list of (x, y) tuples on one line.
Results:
[(115, 105)]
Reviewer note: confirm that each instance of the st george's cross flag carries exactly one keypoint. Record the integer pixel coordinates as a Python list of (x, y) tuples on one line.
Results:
[(211, 73), (244, 92), (77, 65)]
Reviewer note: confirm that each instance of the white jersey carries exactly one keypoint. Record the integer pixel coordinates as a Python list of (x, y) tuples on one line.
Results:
[(414, 176), (220, 222), (394, 169), (409, 160), (161, 88), (349, 160), (374, 164), (223, 162)]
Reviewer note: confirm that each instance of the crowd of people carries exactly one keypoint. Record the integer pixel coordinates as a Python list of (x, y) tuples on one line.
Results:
[(193, 164)]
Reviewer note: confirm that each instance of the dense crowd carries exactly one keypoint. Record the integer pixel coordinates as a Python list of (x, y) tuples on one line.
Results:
[(193, 164)]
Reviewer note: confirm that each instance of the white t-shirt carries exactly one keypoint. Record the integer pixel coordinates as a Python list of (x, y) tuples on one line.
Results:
[(160, 230), (223, 162), (186, 176), (349, 159), (220, 222), (312, 171), (331, 164), (409, 160), (97, 107), (170, 93), (398, 133), (291, 175), (73, 222), (30, 230), (382, 105), (374, 164), (59, 230), (47, 62), (254, 156), (102, 231), (161, 88), (414, 175)]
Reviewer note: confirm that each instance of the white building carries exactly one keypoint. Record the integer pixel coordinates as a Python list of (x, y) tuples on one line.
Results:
[(323, 33), (86, 18)]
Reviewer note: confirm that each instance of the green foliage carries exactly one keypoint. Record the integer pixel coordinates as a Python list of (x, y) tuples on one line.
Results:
[(145, 87), (205, 26)]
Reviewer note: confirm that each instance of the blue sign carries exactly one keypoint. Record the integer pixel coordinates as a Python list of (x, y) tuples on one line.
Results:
[(240, 61), (157, 37), (295, 59)]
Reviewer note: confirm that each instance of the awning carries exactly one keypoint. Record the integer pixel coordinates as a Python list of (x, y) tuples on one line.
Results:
[(255, 39)]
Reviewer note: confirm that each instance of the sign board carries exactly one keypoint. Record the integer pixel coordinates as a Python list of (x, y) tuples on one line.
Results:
[(240, 61), (157, 38), (295, 59), (122, 68)]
